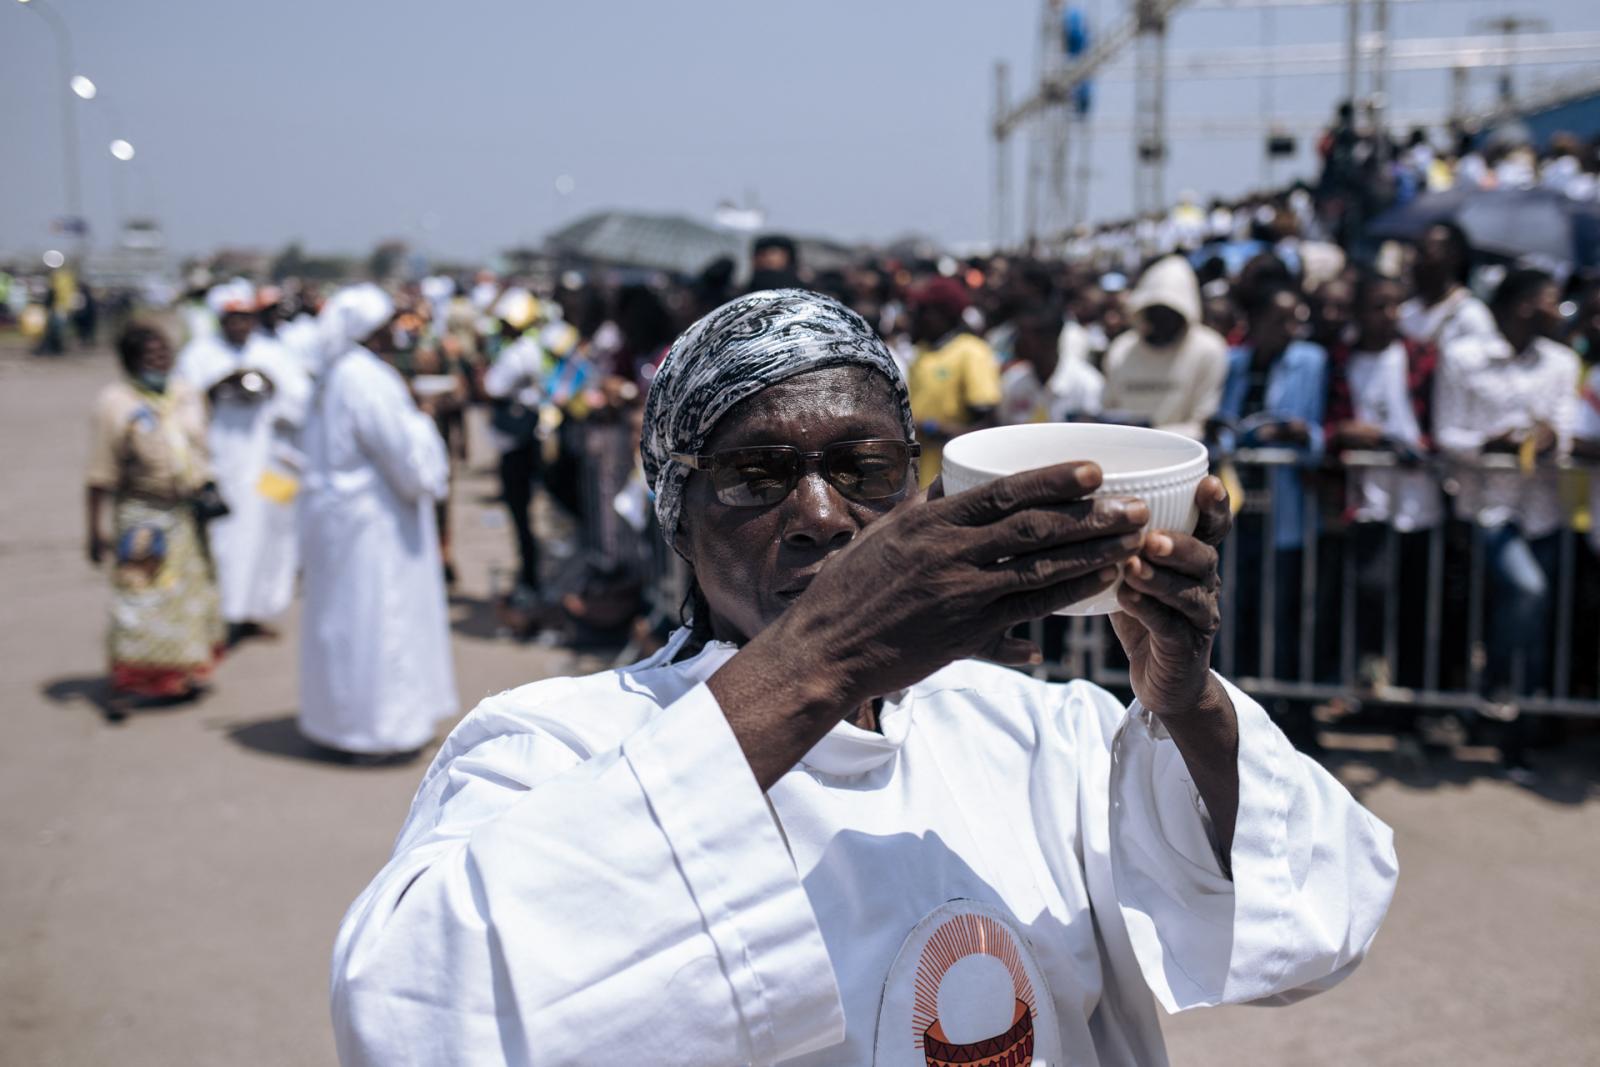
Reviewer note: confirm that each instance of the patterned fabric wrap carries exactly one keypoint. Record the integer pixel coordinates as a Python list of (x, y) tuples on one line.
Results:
[(736, 351), (166, 619)]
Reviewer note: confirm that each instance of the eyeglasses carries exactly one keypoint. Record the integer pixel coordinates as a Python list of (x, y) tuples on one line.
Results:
[(761, 476)]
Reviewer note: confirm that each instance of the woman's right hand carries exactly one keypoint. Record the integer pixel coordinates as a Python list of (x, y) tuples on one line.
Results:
[(933, 581), (942, 579), (1356, 434)]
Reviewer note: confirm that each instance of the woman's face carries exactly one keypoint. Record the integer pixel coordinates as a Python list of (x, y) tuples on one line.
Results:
[(157, 356), (753, 562), (1436, 257), (1335, 309), (1277, 323), (1380, 315), (237, 326)]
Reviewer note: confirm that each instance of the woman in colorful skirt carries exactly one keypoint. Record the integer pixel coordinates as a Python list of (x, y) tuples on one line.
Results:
[(149, 460)]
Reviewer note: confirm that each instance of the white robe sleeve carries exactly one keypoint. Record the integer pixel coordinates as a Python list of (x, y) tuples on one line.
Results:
[(1563, 416), (1454, 430), (402, 442), (293, 397), (1313, 871), (637, 906)]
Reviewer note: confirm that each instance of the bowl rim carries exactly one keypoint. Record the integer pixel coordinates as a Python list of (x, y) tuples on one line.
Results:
[(1202, 455)]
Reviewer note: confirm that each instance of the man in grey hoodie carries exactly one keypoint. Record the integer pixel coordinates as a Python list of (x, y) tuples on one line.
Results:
[(1167, 371)]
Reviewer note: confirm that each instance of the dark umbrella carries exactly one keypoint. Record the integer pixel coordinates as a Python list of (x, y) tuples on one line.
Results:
[(1513, 223)]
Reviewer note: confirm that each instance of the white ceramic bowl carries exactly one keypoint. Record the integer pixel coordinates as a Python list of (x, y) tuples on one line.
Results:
[(1162, 469)]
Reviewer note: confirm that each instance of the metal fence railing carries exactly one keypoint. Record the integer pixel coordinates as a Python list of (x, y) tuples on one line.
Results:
[(1334, 649), (1379, 616)]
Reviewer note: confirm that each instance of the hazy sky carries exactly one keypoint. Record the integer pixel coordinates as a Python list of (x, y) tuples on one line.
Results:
[(447, 123)]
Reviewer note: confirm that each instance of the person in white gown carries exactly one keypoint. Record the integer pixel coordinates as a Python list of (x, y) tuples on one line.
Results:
[(257, 395), (302, 332), (375, 666), (812, 830)]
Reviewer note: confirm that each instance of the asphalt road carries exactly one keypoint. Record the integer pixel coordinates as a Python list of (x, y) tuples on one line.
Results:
[(171, 886)]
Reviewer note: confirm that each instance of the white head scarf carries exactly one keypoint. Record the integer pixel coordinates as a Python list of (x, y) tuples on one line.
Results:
[(351, 316), (235, 295)]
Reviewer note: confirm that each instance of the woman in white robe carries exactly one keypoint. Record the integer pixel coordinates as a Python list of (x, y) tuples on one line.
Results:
[(375, 667), (253, 434), (811, 830)]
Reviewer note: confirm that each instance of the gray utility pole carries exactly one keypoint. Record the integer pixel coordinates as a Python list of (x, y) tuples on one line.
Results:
[(1084, 172), (1150, 105), (69, 118), (1110, 46), (1508, 26), (1002, 157), (1379, 101), (1051, 129), (1352, 34), (1458, 95)]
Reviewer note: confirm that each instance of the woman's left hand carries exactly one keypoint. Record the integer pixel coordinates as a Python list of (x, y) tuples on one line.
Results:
[(1170, 609)]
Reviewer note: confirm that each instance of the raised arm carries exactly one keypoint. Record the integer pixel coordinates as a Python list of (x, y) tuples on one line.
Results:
[(936, 581), (1285, 909)]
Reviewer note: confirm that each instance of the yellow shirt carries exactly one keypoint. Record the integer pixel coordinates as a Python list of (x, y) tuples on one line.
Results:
[(946, 383), (63, 290)]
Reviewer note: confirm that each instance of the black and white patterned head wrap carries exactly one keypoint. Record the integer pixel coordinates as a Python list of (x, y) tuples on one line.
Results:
[(736, 351)]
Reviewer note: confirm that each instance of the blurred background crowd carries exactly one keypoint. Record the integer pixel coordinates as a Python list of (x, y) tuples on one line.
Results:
[(1392, 359), (1397, 368), (422, 261)]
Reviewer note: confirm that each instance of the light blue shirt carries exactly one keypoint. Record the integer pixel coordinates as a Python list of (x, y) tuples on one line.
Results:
[(1297, 388)]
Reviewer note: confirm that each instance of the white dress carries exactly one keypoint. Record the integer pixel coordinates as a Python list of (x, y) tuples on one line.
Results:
[(590, 874), (304, 338), (375, 666), (254, 546)]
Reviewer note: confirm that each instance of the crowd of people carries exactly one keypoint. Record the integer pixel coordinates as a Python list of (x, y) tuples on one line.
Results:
[(263, 452), (1348, 404), (254, 452), (57, 310), (1361, 174)]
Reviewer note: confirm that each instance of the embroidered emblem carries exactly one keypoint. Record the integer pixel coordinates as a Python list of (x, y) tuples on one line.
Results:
[(973, 1001), (965, 991)]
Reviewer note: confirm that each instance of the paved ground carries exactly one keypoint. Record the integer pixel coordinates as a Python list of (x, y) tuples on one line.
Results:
[(171, 886)]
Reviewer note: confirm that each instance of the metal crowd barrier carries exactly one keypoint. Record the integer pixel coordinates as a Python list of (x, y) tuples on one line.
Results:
[(1329, 667), (606, 451), (1089, 649)]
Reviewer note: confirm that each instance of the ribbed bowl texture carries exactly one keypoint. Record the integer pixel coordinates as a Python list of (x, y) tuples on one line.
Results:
[(1162, 469)]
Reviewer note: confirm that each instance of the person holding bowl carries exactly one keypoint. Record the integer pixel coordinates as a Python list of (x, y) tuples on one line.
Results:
[(815, 828)]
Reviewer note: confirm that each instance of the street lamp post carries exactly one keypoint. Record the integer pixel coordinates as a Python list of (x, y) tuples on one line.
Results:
[(69, 118), (122, 152)]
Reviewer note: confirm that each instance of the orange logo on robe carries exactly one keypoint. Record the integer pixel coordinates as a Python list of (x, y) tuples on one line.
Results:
[(973, 1004)]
